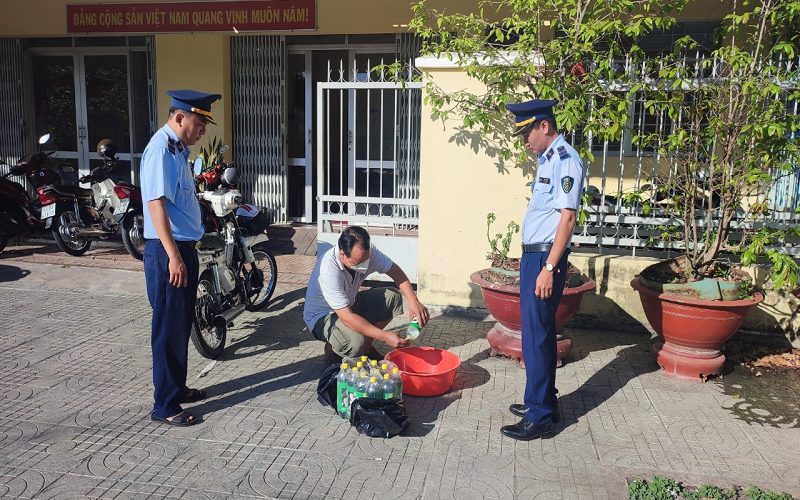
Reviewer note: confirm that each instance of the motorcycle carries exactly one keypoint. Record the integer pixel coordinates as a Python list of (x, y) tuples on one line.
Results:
[(78, 215), (19, 212), (238, 271)]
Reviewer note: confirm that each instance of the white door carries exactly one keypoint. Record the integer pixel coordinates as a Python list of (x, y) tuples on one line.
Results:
[(81, 98), (300, 176)]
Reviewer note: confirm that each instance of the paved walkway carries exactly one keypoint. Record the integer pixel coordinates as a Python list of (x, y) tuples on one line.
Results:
[(76, 393)]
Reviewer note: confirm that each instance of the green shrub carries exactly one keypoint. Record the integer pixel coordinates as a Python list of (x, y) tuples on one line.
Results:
[(664, 488), (756, 493), (710, 491), (660, 488)]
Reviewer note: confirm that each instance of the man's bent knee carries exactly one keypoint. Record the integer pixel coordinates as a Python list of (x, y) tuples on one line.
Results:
[(394, 301), (350, 347)]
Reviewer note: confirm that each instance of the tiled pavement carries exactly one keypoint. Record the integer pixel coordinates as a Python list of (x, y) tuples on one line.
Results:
[(76, 392)]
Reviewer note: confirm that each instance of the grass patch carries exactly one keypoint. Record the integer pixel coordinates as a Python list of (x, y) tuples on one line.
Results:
[(664, 488)]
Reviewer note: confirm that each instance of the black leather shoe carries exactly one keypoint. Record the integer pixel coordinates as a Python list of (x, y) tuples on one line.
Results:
[(520, 410), (525, 431)]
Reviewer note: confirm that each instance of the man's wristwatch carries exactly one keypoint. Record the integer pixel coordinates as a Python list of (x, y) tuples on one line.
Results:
[(549, 267)]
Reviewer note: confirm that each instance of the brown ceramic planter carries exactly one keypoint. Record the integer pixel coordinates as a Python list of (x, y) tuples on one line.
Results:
[(505, 338), (691, 331)]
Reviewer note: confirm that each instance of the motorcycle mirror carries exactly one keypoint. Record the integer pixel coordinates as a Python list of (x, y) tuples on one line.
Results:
[(198, 166), (223, 149), (44, 138)]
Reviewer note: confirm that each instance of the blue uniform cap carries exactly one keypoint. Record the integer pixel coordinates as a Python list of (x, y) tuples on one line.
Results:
[(196, 102), (526, 113)]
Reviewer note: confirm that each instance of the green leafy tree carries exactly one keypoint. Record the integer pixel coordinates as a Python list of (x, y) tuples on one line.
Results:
[(732, 128)]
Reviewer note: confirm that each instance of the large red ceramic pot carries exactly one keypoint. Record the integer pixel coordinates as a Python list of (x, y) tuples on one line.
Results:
[(505, 337), (691, 331)]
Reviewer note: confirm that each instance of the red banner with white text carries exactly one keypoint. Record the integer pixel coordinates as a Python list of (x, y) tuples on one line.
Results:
[(187, 17)]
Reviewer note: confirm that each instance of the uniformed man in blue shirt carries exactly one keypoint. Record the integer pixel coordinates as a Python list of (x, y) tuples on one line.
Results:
[(546, 234), (172, 227)]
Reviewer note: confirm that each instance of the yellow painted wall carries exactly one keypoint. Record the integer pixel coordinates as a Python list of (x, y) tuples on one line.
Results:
[(48, 17), (459, 185), (199, 62)]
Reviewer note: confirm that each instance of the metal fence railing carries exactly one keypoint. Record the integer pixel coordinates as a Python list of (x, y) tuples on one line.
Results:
[(624, 166)]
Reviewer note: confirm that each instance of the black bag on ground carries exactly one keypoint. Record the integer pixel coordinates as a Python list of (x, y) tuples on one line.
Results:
[(378, 417), (326, 388)]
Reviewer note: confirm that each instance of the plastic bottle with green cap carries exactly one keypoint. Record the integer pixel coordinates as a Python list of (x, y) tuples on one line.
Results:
[(412, 332)]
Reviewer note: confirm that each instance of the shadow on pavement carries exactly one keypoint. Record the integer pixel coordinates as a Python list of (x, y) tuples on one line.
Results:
[(269, 333), (424, 411), (629, 363), (12, 273)]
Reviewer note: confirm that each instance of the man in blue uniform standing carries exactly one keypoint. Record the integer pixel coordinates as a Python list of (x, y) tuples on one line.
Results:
[(172, 227), (546, 234)]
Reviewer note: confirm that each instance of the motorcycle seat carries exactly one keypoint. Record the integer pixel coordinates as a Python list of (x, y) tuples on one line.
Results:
[(212, 242), (127, 185), (73, 190)]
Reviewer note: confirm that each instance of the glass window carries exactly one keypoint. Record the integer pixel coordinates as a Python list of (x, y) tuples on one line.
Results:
[(107, 100), (140, 91), (54, 100), (296, 99)]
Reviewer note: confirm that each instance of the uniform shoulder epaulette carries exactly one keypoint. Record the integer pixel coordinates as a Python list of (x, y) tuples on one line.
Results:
[(562, 153), (171, 145), (549, 153)]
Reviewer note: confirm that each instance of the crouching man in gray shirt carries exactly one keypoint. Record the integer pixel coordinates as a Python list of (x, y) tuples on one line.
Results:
[(348, 320)]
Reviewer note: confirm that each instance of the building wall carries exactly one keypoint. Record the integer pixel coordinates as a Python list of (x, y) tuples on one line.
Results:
[(459, 186), (48, 17), (200, 62)]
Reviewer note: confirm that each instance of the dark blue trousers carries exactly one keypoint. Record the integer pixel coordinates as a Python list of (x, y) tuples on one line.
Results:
[(173, 313), (539, 348)]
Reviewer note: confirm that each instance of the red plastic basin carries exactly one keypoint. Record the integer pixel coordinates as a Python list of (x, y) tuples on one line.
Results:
[(426, 371)]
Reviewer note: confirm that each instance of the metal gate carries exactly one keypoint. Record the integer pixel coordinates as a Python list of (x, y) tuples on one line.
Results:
[(259, 117), (368, 132), (11, 104)]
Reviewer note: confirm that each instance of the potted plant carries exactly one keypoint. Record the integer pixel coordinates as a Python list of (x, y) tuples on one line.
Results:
[(500, 289), (734, 139), (729, 135)]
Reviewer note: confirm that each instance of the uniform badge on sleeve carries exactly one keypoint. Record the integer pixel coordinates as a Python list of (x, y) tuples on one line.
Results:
[(567, 183), (562, 153)]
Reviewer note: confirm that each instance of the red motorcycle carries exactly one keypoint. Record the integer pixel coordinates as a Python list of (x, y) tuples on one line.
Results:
[(19, 212), (251, 220), (78, 216)]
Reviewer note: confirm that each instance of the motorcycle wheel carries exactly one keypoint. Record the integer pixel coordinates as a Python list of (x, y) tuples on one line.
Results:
[(264, 272), (132, 232), (72, 246), (207, 339)]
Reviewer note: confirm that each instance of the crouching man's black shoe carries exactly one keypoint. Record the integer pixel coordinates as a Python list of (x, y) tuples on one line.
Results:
[(520, 410), (525, 431)]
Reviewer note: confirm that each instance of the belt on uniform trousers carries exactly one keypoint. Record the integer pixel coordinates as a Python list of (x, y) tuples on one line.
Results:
[(536, 247), (192, 244)]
